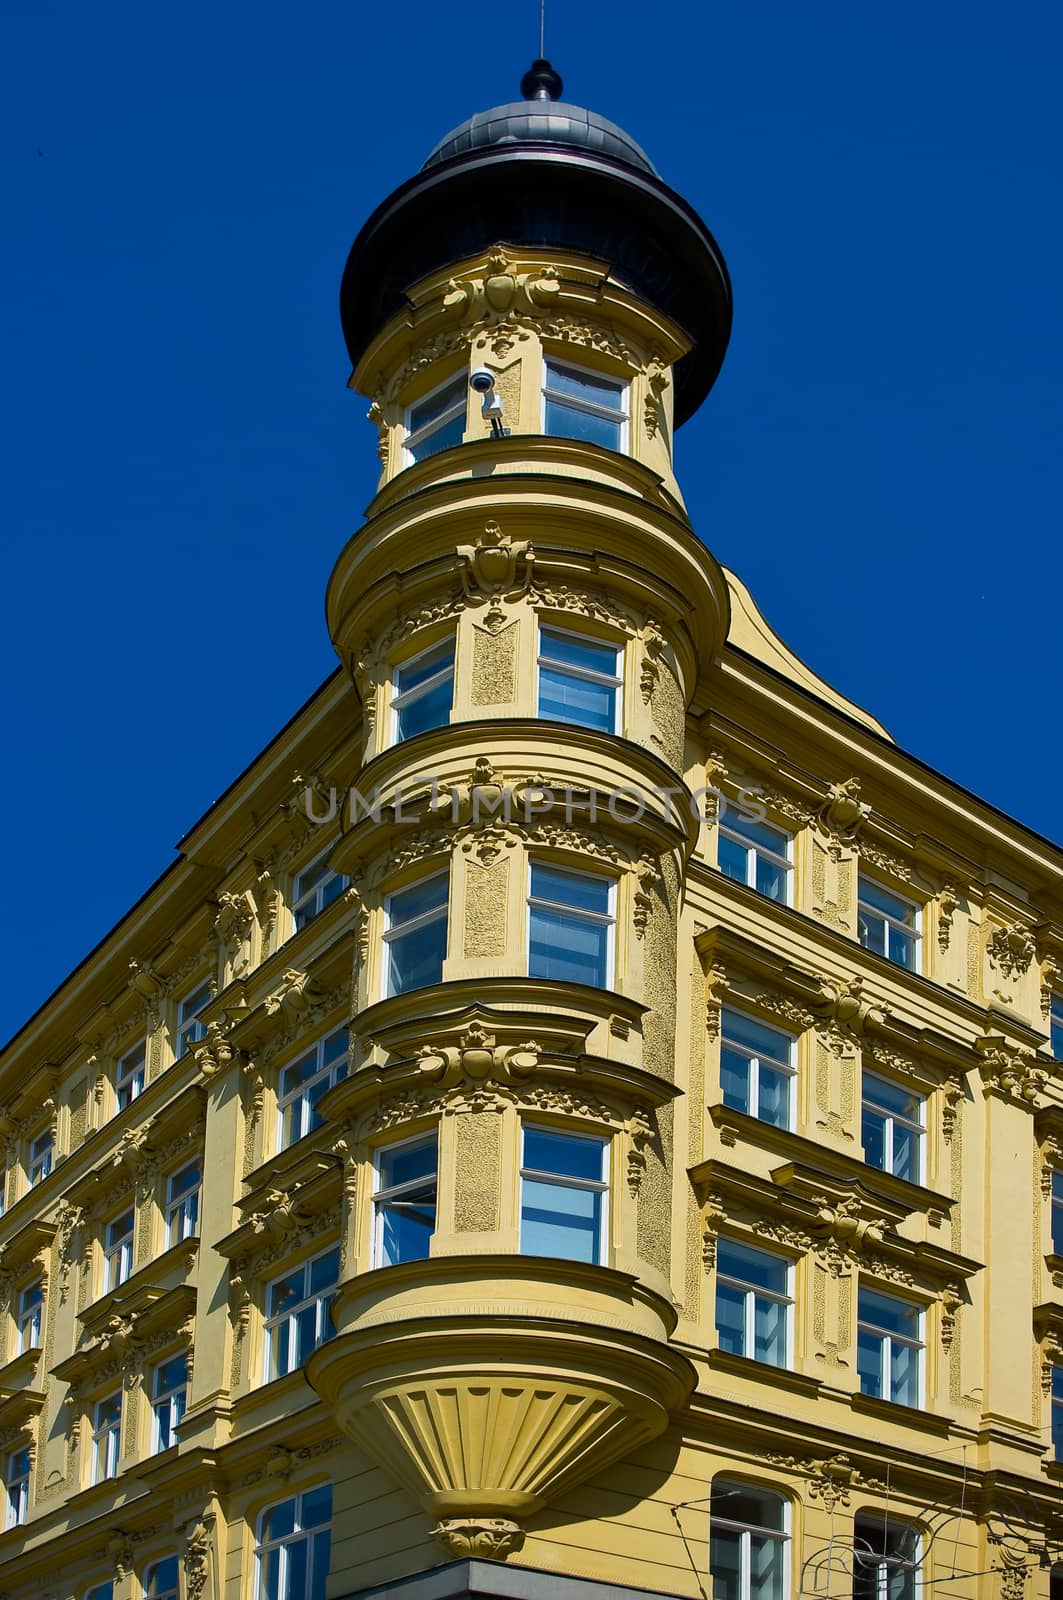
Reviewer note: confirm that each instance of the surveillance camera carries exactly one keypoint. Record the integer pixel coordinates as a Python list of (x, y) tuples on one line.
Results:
[(482, 379)]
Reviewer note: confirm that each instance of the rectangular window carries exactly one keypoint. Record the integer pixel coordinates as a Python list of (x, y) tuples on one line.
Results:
[(885, 1558), (570, 925), (315, 888), (415, 939), (1057, 1214), (889, 1352), (755, 854), (118, 1251), (404, 1204), (892, 1129), (579, 680), (304, 1082), (161, 1580), (182, 1203), (757, 1068), (42, 1151), (753, 1301), (1057, 1413), (129, 1076), (297, 1313), (17, 1484), (563, 1195), (169, 1391), (190, 1029), (100, 1591), (30, 1317), (106, 1436), (1055, 1022), (422, 693), (292, 1552), (438, 421), (888, 925), (748, 1553), (584, 405)]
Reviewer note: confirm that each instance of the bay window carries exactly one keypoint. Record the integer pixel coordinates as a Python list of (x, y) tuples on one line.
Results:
[(563, 1195), (415, 937), (579, 404), (571, 916), (404, 1201), (579, 679), (422, 693)]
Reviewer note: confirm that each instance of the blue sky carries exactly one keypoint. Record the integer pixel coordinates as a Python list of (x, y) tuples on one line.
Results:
[(182, 462)]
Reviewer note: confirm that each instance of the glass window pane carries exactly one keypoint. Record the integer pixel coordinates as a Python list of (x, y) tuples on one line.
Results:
[(759, 1267), (433, 405), (441, 438), (566, 422), (756, 832), (885, 1311), (872, 932), (580, 890), (892, 1098), (766, 1568), (406, 1230), (561, 947), (869, 1363), (325, 1272), (769, 1325), (730, 1318), (591, 386), (757, 1037), (560, 1221), (284, 1293), (774, 1103), (902, 949), (725, 1564), (771, 880), (905, 1153), (279, 1521), (873, 894), (415, 959), (567, 699), (402, 1163), (429, 710), (873, 1135), (573, 650), (563, 1153), (317, 1505), (428, 894), (734, 859), (734, 1079)]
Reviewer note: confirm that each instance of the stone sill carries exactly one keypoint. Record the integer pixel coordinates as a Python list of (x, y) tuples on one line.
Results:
[(761, 1372), (906, 1416)]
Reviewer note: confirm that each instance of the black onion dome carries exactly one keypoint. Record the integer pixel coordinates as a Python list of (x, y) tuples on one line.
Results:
[(539, 173)]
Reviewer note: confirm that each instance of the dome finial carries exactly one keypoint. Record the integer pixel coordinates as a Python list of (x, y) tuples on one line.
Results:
[(541, 82)]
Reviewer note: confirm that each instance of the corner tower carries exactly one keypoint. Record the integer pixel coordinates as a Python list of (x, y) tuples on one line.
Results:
[(528, 618)]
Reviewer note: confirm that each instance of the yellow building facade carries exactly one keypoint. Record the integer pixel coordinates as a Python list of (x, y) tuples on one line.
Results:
[(583, 1115)]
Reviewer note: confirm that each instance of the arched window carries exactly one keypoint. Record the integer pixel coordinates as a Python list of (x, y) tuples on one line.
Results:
[(886, 1558), (749, 1536), (160, 1580)]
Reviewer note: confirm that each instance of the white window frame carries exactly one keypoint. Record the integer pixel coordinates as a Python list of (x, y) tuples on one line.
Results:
[(789, 1066), (131, 1080), (1055, 1026), (888, 1338), (755, 851), (187, 1022), (614, 681), (17, 1486), (166, 1402), (178, 1206), (746, 1530), (892, 1119), (298, 1535), (598, 918), (422, 920), (750, 1292), (561, 1180), (29, 1324), (321, 1299), (419, 690), (118, 1253), (1055, 1223), (879, 1567), (41, 1161), (314, 893), (459, 408), (335, 1070), (106, 1439), (911, 930), (162, 1594), (591, 408), (382, 1197)]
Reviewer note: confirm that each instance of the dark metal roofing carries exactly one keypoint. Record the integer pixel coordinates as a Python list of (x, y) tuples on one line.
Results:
[(542, 122)]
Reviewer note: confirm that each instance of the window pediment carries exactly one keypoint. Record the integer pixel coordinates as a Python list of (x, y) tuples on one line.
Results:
[(295, 1199), (128, 1325)]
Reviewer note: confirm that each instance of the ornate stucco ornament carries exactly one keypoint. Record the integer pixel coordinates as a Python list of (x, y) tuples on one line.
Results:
[(843, 813), (845, 1009), (494, 569), (1010, 1073), (1011, 951), (487, 1538), (501, 293), (476, 1057)]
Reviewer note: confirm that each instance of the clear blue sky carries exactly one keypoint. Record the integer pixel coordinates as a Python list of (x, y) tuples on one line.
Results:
[(182, 463)]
